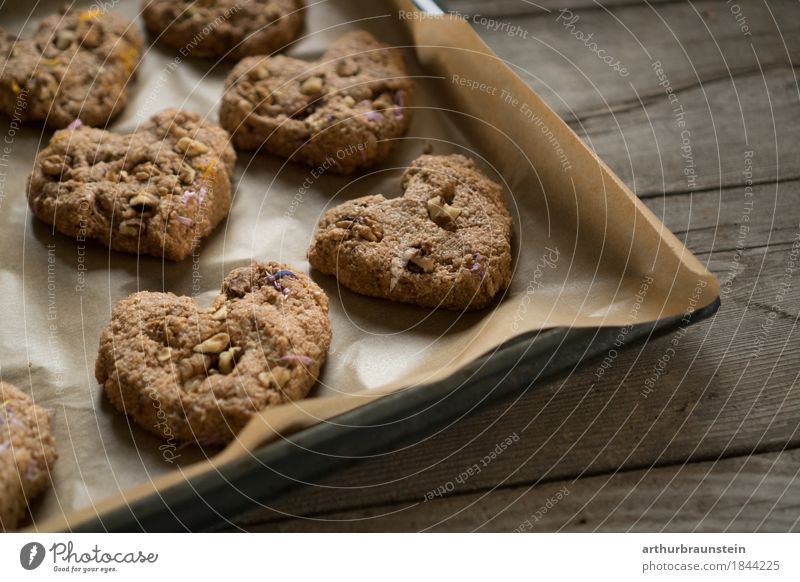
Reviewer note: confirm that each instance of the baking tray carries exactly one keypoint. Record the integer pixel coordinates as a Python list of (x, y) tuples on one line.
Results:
[(216, 497), (614, 244)]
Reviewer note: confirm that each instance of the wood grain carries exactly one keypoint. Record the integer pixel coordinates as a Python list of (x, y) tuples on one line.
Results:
[(724, 120), (743, 494), (696, 43), (517, 8)]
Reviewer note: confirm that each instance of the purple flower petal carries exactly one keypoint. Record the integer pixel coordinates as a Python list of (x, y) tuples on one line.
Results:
[(400, 101), (374, 115), (274, 279), (77, 124), (201, 195), (188, 195), (185, 220), (305, 360), (282, 273)]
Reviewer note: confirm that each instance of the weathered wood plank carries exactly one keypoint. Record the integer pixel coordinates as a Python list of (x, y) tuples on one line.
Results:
[(723, 120), (696, 42), (756, 493), (712, 221), (516, 8)]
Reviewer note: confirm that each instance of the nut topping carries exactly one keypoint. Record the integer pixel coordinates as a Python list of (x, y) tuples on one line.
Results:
[(311, 86), (442, 213), (64, 38), (363, 227), (227, 360), (193, 385), (164, 354), (220, 314), (420, 262), (191, 147), (144, 201), (278, 376), (213, 345)]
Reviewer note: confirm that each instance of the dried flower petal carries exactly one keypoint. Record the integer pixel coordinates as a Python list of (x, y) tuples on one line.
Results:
[(77, 124), (274, 279), (305, 360), (184, 220)]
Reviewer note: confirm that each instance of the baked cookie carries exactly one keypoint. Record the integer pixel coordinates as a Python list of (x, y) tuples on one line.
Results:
[(339, 114), (77, 65), (194, 374), (445, 243), (157, 191), (27, 453), (225, 28)]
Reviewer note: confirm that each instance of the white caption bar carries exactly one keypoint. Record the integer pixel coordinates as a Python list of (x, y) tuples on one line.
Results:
[(400, 557)]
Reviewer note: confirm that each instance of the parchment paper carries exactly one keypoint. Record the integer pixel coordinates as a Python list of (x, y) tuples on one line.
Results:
[(587, 252)]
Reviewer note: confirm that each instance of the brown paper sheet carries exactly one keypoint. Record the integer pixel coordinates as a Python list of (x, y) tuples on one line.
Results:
[(587, 252)]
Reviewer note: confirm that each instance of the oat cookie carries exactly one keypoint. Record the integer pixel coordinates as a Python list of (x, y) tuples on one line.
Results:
[(342, 112), (212, 28), (157, 191), (194, 374), (27, 453), (77, 65), (445, 243)]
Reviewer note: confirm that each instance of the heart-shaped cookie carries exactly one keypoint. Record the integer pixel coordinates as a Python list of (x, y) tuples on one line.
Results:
[(445, 243), (340, 113), (27, 453), (194, 374), (156, 191), (77, 65), (225, 28)]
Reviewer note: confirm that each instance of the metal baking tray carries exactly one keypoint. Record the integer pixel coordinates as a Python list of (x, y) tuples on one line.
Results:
[(218, 496)]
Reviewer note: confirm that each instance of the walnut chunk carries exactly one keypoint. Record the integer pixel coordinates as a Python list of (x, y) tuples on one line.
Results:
[(227, 360), (442, 213), (362, 227), (417, 261), (312, 86), (278, 376), (213, 345), (191, 147), (144, 201)]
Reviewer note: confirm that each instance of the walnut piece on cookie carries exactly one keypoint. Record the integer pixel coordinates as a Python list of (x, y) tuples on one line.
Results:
[(342, 112), (446, 242), (194, 374), (76, 66), (225, 28), (156, 191), (27, 453)]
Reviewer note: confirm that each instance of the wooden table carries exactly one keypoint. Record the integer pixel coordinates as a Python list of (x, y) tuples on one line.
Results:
[(713, 447)]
